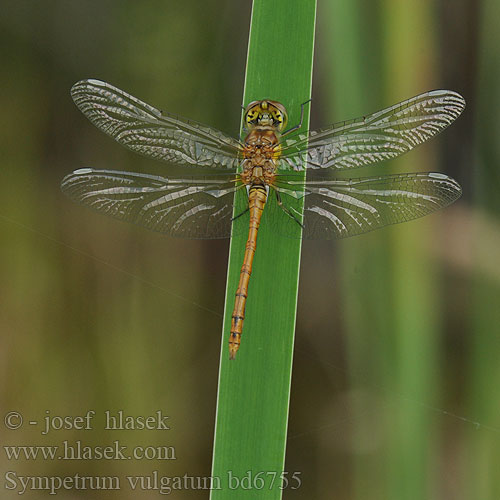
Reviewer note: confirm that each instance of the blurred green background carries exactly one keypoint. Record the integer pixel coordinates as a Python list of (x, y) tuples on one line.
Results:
[(394, 391)]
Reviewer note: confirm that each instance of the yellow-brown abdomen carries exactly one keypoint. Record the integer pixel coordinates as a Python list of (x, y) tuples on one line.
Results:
[(257, 197)]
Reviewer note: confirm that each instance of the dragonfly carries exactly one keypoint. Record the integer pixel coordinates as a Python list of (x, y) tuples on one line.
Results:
[(260, 176)]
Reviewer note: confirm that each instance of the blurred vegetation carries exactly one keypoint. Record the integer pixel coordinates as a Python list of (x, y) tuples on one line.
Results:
[(397, 347)]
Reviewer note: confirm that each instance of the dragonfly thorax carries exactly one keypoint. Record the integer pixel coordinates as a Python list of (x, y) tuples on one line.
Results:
[(262, 140), (261, 152), (258, 174), (266, 113), (262, 149)]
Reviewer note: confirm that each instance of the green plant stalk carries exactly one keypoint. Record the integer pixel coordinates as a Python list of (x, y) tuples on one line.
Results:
[(349, 56), (483, 457), (254, 389), (415, 281), (393, 341)]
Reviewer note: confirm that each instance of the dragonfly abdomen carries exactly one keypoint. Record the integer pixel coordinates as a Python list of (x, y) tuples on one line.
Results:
[(257, 196)]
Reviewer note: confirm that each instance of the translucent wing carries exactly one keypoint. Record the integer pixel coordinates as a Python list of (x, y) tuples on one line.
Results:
[(188, 208), (342, 208), (146, 130), (376, 137)]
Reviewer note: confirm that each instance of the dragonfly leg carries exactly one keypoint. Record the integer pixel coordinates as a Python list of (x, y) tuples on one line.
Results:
[(297, 127), (244, 130), (286, 210), (239, 215)]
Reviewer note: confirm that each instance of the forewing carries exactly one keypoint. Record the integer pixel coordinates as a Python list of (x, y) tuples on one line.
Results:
[(376, 137), (341, 208), (152, 133), (188, 208)]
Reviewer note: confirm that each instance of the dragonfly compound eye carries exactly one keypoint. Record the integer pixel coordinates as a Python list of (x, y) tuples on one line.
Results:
[(278, 113), (254, 113)]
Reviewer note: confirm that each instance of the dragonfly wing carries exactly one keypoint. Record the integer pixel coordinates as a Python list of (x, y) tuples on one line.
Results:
[(376, 137), (188, 208), (341, 208), (146, 130)]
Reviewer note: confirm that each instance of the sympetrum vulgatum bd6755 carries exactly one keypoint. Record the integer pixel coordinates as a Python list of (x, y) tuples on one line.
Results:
[(264, 171)]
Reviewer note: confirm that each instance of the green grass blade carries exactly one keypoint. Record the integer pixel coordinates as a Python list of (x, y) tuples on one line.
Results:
[(254, 390)]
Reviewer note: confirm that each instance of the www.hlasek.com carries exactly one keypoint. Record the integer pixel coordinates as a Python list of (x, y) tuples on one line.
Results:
[(163, 485), (78, 450)]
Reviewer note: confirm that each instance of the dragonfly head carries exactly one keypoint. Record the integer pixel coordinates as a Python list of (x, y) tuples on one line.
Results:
[(266, 113)]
